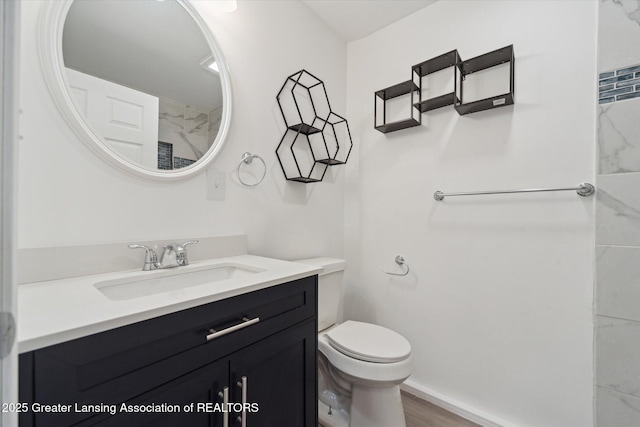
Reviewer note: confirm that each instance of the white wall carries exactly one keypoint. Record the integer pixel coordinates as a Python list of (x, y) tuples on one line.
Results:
[(498, 304), (69, 196)]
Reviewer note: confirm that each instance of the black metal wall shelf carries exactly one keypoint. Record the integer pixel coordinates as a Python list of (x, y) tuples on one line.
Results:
[(404, 88), (461, 69), (439, 63), (316, 138), (483, 62), (336, 131), (307, 94), (401, 124), (307, 172), (304, 129)]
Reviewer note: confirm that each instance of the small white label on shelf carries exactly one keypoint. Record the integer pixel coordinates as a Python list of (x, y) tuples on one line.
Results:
[(497, 102)]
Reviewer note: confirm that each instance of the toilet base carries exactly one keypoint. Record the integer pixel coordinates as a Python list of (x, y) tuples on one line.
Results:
[(376, 407)]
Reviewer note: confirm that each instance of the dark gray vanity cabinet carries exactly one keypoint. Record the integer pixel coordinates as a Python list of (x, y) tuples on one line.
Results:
[(270, 365)]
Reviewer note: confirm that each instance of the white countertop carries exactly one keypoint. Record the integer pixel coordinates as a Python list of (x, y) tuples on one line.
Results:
[(55, 311)]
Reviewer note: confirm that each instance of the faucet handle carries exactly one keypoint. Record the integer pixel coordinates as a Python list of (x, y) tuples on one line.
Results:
[(181, 252), (190, 242), (150, 259)]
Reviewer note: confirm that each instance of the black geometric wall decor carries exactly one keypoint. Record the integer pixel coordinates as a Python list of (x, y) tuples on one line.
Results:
[(337, 141), (295, 154), (316, 137), (304, 103), (461, 69), (486, 63), (433, 65), (383, 95)]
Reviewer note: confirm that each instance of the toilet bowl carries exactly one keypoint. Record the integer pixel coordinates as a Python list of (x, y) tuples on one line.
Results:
[(360, 364), (374, 361)]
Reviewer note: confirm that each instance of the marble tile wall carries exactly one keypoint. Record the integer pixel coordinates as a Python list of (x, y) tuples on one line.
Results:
[(190, 131), (215, 119), (617, 296)]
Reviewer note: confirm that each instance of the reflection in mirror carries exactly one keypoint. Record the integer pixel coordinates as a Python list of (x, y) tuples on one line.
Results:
[(143, 75)]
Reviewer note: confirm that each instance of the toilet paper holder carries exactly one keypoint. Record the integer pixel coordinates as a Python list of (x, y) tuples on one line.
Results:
[(400, 261)]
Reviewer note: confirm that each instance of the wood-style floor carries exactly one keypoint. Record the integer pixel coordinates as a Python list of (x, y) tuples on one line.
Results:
[(420, 413)]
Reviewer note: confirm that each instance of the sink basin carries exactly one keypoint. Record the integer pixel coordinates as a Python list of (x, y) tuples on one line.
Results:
[(156, 282)]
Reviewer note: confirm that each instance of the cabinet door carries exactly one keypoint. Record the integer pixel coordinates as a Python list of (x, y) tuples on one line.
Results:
[(198, 388), (280, 379)]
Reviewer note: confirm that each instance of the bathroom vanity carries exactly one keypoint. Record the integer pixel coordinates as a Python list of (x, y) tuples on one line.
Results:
[(247, 357)]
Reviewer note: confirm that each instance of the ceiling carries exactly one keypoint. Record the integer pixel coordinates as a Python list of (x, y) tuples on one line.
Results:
[(354, 19)]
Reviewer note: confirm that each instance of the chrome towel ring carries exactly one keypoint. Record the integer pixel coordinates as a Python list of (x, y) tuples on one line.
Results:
[(400, 261), (247, 158)]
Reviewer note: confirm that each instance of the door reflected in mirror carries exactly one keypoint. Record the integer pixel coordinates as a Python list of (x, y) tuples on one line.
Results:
[(143, 76)]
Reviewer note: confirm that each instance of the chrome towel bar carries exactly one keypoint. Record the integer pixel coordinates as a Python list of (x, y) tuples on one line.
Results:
[(584, 189)]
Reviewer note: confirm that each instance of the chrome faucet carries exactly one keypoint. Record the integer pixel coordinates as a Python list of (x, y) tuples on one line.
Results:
[(168, 258), (173, 255)]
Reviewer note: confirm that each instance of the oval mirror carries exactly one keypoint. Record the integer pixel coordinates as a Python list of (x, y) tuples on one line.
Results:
[(143, 83)]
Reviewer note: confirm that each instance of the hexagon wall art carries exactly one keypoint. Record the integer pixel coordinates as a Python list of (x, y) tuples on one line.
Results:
[(316, 138)]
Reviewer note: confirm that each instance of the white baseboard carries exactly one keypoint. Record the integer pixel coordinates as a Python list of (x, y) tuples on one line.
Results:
[(465, 411)]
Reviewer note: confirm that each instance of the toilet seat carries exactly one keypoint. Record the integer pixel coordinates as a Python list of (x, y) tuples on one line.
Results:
[(369, 342), (374, 374)]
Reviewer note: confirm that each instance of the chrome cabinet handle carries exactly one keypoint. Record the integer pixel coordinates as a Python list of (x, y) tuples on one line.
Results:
[(224, 394), (245, 322), (242, 419)]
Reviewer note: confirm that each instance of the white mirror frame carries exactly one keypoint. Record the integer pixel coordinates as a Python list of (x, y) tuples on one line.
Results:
[(52, 19)]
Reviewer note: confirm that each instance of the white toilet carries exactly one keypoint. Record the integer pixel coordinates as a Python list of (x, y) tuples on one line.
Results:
[(360, 365)]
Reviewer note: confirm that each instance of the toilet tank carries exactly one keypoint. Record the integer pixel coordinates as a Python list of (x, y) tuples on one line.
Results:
[(329, 288)]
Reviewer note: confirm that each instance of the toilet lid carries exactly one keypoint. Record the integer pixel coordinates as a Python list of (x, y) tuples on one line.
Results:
[(368, 342)]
